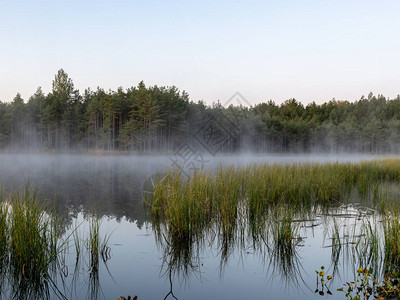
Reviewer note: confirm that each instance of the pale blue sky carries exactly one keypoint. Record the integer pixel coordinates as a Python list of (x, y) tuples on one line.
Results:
[(309, 49)]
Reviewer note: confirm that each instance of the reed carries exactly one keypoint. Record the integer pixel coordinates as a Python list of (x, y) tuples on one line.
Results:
[(283, 230), (77, 242), (33, 247), (93, 242), (284, 234), (263, 201), (29, 245), (4, 241), (391, 229), (33, 236), (336, 245), (96, 244), (192, 205), (4, 232), (371, 244)]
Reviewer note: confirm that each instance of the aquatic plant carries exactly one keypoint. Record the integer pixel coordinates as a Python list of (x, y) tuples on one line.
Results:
[(369, 244), (4, 241), (192, 206), (284, 234), (29, 245), (391, 228), (323, 281), (33, 248), (128, 298), (33, 236), (4, 232), (93, 242), (265, 204), (312, 184), (77, 241), (366, 286)]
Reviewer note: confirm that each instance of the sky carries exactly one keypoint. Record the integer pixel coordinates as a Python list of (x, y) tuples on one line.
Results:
[(310, 50)]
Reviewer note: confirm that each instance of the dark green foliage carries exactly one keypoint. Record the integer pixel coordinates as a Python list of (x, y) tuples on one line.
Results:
[(162, 118)]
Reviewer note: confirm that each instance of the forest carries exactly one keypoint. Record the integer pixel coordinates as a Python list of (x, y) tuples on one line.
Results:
[(153, 119)]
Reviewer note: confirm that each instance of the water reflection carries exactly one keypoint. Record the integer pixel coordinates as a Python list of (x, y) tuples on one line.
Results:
[(276, 244), (14, 285), (352, 233), (109, 185), (36, 258), (274, 240)]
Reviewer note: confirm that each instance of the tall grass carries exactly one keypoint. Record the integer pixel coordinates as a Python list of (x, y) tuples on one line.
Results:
[(4, 232), (93, 243), (4, 242), (190, 206), (284, 234), (33, 246), (391, 226), (29, 246), (33, 236), (262, 201)]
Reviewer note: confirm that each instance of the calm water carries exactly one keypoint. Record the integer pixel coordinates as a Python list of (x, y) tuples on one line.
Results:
[(112, 188)]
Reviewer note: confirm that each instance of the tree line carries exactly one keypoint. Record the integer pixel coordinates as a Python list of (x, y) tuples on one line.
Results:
[(162, 119)]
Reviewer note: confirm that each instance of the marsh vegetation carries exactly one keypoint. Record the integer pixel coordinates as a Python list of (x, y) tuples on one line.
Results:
[(34, 245), (268, 208), (281, 221)]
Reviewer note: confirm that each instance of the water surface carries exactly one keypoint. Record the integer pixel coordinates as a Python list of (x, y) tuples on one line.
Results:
[(139, 264)]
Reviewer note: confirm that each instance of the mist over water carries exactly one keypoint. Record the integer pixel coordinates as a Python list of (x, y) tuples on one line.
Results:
[(111, 186)]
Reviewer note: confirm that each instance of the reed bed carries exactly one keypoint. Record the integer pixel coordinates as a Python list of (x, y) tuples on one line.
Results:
[(265, 202), (391, 226), (33, 236), (29, 246), (192, 205), (33, 246)]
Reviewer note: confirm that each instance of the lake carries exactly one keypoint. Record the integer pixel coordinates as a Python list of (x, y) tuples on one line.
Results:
[(140, 260)]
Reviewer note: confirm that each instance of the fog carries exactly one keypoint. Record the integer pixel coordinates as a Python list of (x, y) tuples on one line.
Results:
[(113, 185)]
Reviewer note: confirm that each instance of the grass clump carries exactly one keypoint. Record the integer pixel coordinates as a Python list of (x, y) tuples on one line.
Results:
[(190, 206), (33, 246), (93, 242), (33, 236), (4, 232), (97, 247), (391, 230), (263, 201), (29, 244)]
